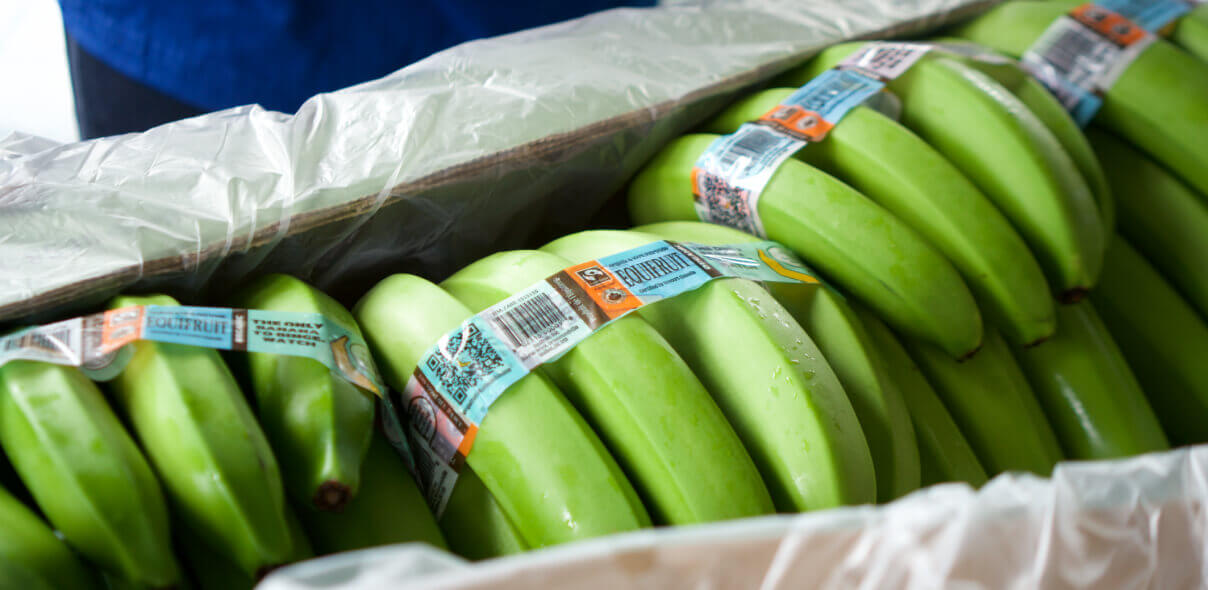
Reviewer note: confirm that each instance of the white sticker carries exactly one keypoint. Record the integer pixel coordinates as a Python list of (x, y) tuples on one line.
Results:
[(731, 175), (537, 324), (1080, 56), (886, 61)]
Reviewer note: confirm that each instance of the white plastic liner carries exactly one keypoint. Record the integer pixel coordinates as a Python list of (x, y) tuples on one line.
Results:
[(1134, 523), (488, 145)]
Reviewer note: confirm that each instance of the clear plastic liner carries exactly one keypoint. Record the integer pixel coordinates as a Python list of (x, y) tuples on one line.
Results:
[(492, 144), (1134, 523)]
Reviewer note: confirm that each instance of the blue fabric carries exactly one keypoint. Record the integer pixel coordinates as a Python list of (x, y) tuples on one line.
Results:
[(220, 53)]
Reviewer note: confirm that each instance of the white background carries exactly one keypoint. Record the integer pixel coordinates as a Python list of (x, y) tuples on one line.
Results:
[(35, 88)]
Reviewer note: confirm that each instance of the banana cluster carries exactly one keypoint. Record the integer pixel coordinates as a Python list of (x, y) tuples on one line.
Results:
[(172, 474), (1001, 290)]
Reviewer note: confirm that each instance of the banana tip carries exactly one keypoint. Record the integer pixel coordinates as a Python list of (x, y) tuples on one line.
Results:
[(1036, 342), (969, 355), (1071, 296), (332, 496)]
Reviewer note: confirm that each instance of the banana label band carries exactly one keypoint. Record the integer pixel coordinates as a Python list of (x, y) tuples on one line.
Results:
[(1082, 54), (97, 342), (437, 414), (730, 175), (1152, 15)]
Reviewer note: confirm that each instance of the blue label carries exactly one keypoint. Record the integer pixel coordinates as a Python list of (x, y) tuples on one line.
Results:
[(1150, 15), (835, 92), (196, 326), (656, 271), (471, 367)]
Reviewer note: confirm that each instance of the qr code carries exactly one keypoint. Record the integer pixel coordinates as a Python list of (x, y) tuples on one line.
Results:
[(463, 363), (726, 204)]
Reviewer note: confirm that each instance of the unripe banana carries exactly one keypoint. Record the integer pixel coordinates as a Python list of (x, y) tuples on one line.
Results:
[(1088, 392), (1158, 102), (318, 423), (389, 509), (1162, 338), (841, 233), (839, 334), (542, 463), (32, 557), (766, 375), (944, 452), (203, 440), (1164, 219), (85, 472), (894, 167), (1007, 152), (992, 403), (652, 413), (1191, 32), (210, 570), (474, 525), (1049, 111)]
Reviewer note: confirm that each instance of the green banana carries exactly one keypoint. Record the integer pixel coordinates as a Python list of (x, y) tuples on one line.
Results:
[(1088, 391), (1161, 216), (1049, 111), (993, 405), (767, 376), (839, 334), (84, 471), (32, 557), (210, 570), (1162, 338), (1191, 32), (204, 442), (944, 453), (475, 525), (894, 167), (389, 509), (652, 413), (542, 463), (318, 423), (842, 233), (1007, 152), (1158, 103)]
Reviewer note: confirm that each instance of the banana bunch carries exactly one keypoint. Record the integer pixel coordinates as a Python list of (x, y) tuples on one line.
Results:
[(1157, 103), (170, 477), (985, 167)]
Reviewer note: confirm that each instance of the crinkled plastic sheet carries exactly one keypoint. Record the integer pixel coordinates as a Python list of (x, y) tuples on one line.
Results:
[(493, 144), (1134, 523)]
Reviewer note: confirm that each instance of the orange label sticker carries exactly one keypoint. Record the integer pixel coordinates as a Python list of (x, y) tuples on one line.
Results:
[(1119, 30), (121, 327), (604, 288), (798, 122)]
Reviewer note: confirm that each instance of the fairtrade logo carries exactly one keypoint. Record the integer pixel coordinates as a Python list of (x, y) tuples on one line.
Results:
[(594, 276)]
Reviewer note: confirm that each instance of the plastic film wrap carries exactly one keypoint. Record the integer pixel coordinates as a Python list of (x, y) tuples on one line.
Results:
[(492, 144), (1135, 523)]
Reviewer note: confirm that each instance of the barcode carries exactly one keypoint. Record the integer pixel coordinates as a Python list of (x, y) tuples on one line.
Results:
[(752, 143), (1076, 52), (55, 341), (530, 318)]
